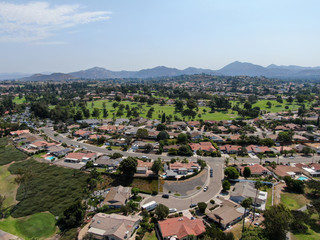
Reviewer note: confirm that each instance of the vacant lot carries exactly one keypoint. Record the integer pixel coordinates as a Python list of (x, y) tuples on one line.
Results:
[(39, 225), (293, 201), (50, 188), (145, 185), (7, 187)]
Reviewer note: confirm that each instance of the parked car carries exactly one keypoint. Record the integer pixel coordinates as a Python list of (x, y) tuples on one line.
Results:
[(193, 205), (172, 210), (165, 195)]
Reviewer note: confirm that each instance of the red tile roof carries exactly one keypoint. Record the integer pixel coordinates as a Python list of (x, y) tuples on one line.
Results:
[(204, 146), (181, 227)]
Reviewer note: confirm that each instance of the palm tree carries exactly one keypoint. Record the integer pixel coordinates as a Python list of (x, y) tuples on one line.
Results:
[(246, 203), (226, 161), (257, 186)]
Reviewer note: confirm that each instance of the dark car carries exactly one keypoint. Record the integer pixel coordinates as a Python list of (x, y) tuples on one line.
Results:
[(165, 195), (193, 205)]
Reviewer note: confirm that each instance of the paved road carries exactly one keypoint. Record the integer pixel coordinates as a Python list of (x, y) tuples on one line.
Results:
[(297, 159), (214, 184)]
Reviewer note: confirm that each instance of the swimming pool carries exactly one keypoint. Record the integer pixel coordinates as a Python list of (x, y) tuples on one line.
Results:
[(50, 158), (302, 178)]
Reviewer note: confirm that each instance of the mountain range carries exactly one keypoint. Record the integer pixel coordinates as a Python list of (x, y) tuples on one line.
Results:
[(232, 69)]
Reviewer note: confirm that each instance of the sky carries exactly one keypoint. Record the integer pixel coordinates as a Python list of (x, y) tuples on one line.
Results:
[(67, 36)]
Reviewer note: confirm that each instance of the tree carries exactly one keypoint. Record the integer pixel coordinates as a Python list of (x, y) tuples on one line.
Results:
[(246, 172), (246, 203), (184, 150), (285, 136), (161, 127), (2, 199), (163, 135), (182, 138), (96, 112), (226, 185), (294, 185), (135, 191), (72, 216), (128, 166), (306, 151), (231, 173), (163, 118), (277, 220), (202, 207), (247, 105), (142, 133), (269, 104), (162, 211), (148, 148), (214, 233), (156, 166)]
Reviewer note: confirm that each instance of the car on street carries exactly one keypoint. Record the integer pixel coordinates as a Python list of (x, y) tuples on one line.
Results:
[(165, 195), (172, 210), (192, 205), (205, 188)]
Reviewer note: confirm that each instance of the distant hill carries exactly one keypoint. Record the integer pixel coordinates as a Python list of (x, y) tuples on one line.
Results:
[(13, 76), (50, 77), (232, 69)]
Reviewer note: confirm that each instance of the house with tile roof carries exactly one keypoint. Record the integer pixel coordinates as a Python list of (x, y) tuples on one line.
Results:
[(180, 228), (117, 197), (203, 146), (113, 226)]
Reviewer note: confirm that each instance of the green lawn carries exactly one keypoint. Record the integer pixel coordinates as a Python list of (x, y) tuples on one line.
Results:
[(278, 107), (7, 187), (39, 225), (269, 198), (50, 188), (293, 201), (17, 100)]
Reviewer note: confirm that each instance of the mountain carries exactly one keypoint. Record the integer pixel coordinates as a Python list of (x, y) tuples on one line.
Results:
[(232, 69), (239, 68), (50, 77)]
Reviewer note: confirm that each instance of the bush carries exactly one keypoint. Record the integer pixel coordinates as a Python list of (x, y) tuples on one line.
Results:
[(212, 201), (202, 207), (226, 185)]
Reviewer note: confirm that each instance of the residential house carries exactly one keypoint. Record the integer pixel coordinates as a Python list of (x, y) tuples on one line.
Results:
[(180, 228), (213, 137), (243, 190), (256, 170), (80, 157), (257, 149), (227, 214), (144, 167), (58, 151), (107, 162), (312, 170), (113, 226), (284, 170), (117, 197), (82, 133), (41, 145), (121, 121), (90, 122), (230, 149), (203, 146), (196, 136), (184, 168), (19, 132)]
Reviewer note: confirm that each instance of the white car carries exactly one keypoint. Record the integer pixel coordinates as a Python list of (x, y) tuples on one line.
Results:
[(205, 188), (172, 210)]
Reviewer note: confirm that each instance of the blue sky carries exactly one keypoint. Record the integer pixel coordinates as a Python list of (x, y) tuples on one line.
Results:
[(65, 36)]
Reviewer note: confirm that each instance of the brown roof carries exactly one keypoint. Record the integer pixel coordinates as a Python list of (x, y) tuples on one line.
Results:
[(181, 227), (255, 169), (282, 170), (204, 146), (80, 155)]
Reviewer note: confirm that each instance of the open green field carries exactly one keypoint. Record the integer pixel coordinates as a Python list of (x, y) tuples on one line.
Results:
[(18, 100), (50, 188), (313, 232), (168, 109), (293, 201), (278, 107), (39, 225), (7, 187)]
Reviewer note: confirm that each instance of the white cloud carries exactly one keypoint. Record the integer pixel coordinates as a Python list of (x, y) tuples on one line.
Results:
[(36, 21)]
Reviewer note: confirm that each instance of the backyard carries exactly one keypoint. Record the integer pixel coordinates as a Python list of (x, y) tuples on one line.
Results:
[(293, 201)]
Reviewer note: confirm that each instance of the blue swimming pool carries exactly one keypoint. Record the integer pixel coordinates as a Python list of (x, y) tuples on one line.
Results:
[(302, 178), (50, 158)]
